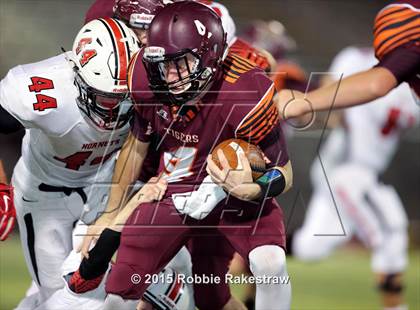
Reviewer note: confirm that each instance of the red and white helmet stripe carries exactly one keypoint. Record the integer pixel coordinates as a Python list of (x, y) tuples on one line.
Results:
[(121, 49)]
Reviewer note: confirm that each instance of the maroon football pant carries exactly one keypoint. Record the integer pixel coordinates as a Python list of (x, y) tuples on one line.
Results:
[(211, 254), (155, 232)]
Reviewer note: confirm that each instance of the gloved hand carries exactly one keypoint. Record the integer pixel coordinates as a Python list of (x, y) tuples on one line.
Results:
[(7, 211)]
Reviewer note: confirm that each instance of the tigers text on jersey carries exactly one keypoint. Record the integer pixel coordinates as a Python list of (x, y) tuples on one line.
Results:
[(60, 146), (374, 129)]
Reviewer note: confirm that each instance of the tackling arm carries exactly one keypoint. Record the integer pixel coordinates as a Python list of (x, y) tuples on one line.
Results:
[(126, 172), (94, 266)]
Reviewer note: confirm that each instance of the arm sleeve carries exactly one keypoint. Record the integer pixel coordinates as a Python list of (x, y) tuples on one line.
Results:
[(254, 119), (275, 148), (396, 25), (8, 124), (258, 121), (403, 62)]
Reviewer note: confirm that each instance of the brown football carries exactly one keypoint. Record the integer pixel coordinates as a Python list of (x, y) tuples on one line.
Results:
[(232, 147)]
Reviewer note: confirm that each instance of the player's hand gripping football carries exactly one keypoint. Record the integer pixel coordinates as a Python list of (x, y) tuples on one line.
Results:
[(7, 211), (151, 191), (237, 182)]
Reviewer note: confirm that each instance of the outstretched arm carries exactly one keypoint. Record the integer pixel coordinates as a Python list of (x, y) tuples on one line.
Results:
[(95, 264), (153, 190), (354, 90), (126, 172)]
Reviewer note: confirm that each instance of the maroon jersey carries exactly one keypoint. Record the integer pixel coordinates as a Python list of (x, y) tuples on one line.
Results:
[(100, 9), (397, 41), (238, 106)]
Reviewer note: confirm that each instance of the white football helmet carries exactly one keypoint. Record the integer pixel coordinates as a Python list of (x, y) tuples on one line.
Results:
[(170, 292), (101, 52)]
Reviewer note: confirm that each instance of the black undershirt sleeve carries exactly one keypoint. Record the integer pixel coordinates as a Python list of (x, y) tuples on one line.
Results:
[(8, 124)]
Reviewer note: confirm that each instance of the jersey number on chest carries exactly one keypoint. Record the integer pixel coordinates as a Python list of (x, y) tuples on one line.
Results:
[(75, 161)]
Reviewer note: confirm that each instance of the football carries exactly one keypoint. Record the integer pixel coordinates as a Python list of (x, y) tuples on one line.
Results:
[(232, 147)]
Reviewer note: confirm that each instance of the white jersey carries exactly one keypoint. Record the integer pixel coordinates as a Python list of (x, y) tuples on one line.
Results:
[(60, 146), (374, 129)]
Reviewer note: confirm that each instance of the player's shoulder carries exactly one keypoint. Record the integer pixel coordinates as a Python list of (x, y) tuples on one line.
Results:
[(244, 83), (241, 74), (21, 72), (56, 68), (42, 94), (247, 99), (396, 25)]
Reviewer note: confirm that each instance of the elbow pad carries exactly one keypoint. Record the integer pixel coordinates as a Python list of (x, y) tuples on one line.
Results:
[(272, 183)]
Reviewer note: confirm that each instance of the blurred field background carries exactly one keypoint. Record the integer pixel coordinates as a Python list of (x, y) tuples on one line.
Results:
[(342, 282), (31, 30)]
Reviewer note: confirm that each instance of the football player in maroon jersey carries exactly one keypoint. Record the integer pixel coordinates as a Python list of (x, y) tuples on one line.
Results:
[(138, 15), (193, 83)]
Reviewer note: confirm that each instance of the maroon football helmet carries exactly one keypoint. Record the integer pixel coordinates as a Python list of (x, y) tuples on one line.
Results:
[(187, 45), (271, 36), (138, 13)]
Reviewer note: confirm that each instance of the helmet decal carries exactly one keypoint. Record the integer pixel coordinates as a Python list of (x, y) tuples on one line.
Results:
[(87, 55), (82, 43)]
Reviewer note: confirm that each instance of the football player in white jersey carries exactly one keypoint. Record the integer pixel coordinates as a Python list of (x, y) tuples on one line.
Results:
[(346, 175), (75, 112)]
